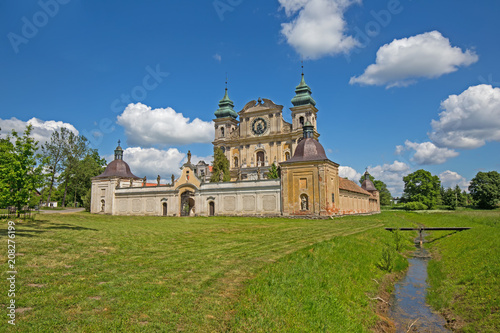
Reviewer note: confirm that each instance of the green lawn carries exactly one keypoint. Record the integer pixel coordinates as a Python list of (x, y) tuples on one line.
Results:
[(93, 273)]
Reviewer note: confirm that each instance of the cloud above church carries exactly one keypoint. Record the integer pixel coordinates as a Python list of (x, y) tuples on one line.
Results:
[(146, 127), (403, 61), (392, 175), (451, 179), (349, 173), (468, 120), (427, 153), (318, 27), (151, 162), (42, 129)]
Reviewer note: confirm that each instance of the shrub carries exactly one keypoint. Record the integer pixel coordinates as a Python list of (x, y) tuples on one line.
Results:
[(387, 259), (86, 200), (415, 206)]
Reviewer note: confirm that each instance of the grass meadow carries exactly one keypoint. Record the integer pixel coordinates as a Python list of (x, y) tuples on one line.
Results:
[(95, 273)]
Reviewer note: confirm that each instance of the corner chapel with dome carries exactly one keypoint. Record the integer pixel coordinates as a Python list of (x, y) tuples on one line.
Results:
[(252, 140)]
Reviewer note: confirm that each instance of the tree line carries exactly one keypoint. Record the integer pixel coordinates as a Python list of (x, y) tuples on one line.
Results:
[(59, 170), (422, 190)]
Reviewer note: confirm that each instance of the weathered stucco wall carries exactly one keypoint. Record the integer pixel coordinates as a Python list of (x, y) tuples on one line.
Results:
[(260, 197)]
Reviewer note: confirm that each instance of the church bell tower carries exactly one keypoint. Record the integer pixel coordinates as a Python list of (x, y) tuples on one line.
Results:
[(304, 109), (225, 122)]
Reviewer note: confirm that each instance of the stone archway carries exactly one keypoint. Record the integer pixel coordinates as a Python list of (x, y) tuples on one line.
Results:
[(211, 208), (187, 203), (164, 209)]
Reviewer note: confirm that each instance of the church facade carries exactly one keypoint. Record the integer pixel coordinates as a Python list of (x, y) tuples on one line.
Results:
[(261, 136), (252, 140)]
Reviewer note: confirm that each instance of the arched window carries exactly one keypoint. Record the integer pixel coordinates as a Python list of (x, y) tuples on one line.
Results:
[(235, 161), (103, 205), (260, 158), (301, 121), (304, 202), (222, 131), (287, 156)]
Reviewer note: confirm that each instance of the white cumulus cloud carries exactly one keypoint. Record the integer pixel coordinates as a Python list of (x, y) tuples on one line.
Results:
[(451, 179), (401, 62), (349, 173), (42, 129), (318, 27), (392, 175), (151, 162), (468, 120), (146, 127), (427, 153)]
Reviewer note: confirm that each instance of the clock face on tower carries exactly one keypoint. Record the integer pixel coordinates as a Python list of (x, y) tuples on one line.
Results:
[(259, 126)]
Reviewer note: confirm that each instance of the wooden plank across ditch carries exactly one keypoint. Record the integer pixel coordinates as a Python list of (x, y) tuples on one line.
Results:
[(428, 228)]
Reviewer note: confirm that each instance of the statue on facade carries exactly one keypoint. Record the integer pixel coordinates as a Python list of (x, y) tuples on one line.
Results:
[(189, 157), (239, 173), (158, 180), (221, 176), (144, 181), (258, 173), (131, 182), (303, 203), (173, 179)]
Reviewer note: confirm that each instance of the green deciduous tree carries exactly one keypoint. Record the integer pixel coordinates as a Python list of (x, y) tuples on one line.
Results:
[(449, 198), (76, 149), (81, 182), (54, 156), (20, 173), (274, 172), (422, 186), (219, 164), (485, 189)]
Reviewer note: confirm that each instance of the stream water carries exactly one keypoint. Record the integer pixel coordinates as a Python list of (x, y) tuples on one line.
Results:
[(408, 306)]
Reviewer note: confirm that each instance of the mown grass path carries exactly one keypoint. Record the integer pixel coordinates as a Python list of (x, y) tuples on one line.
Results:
[(88, 273)]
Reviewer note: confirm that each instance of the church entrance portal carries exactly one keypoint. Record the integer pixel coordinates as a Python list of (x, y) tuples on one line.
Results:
[(187, 203)]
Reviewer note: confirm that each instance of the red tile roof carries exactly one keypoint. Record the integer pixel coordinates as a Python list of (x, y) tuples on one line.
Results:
[(348, 185)]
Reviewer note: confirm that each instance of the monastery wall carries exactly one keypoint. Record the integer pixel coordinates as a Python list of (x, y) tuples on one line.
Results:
[(259, 197), (356, 203)]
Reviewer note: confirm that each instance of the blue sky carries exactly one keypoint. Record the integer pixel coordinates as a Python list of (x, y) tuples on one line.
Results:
[(400, 85)]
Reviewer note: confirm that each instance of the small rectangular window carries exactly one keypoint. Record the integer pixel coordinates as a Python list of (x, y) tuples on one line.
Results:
[(333, 197)]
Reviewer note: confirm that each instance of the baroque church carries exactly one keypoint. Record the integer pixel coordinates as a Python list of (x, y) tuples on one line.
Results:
[(252, 140)]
